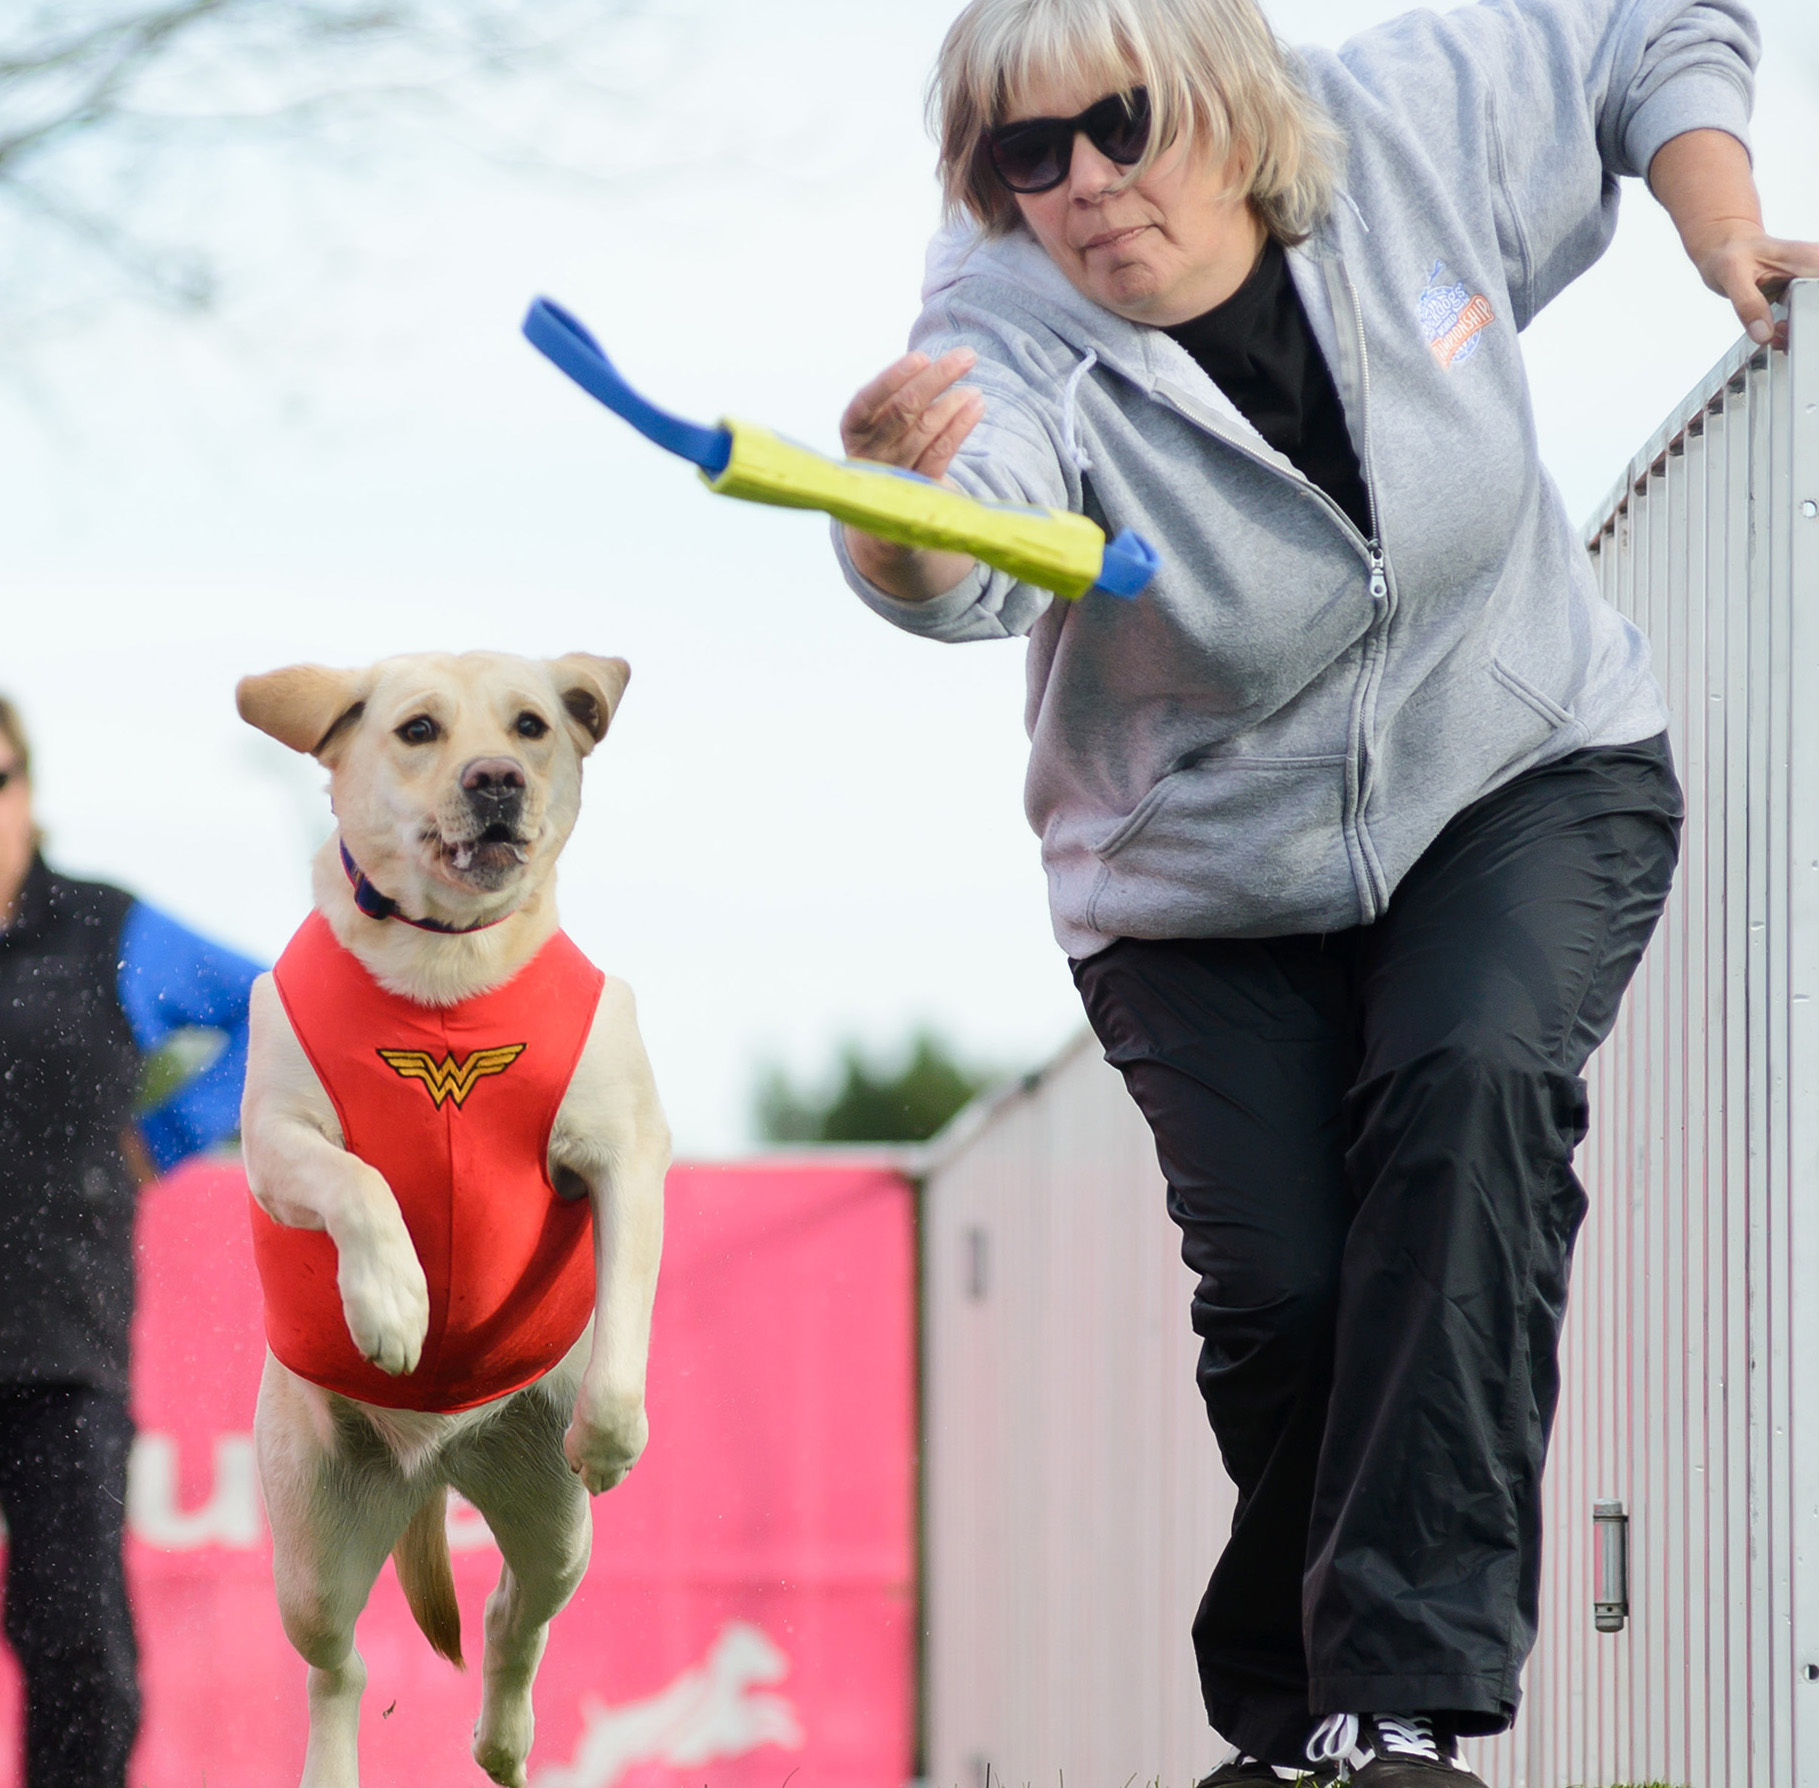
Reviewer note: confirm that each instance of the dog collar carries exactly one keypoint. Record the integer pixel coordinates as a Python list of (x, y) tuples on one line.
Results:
[(381, 906)]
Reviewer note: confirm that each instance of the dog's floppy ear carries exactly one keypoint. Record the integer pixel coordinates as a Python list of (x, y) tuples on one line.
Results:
[(590, 689), (304, 706)]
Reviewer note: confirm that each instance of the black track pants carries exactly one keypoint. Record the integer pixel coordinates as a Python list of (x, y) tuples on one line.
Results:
[(63, 1490), (1368, 1141)]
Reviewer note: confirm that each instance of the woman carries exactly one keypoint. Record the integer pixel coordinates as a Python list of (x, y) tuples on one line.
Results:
[(1358, 822), (90, 979)]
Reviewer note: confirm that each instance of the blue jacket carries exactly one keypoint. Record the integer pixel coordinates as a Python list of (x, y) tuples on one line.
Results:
[(172, 979)]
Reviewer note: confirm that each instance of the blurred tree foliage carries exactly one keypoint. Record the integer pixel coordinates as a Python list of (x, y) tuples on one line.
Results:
[(182, 1056), (864, 1101)]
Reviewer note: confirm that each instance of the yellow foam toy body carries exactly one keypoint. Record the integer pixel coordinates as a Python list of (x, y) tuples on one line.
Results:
[(1051, 548)]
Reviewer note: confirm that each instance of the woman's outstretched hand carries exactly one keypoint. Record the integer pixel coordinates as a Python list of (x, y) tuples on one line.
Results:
[(916, 416), (1752, 270), (912, 415), (1704, 180)]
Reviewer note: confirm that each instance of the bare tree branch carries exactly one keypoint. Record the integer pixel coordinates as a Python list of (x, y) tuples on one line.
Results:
[(98, 63), (98, 96)]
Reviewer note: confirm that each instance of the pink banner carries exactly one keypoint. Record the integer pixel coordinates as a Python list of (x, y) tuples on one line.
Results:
[(747, 1615)]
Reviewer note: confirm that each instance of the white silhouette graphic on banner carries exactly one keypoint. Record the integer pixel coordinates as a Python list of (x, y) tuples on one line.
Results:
[(705, 1713)]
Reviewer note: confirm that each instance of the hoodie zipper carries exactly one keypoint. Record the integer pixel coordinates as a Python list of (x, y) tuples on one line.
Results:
[(1372, 891), (1376, 643), (1368, 548)]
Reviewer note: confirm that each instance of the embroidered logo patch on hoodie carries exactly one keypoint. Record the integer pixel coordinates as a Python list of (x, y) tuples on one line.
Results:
[(1452, 318)]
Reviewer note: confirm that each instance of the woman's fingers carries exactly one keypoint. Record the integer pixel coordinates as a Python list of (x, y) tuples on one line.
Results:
[(889, 419), (898, 416), (967, 410), (1737, 279), (871, 400), (1754, 270)]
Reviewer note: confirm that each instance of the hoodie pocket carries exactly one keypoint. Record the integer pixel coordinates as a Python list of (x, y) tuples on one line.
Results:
[(1228, 845), (1525, 691), (1139, 816)]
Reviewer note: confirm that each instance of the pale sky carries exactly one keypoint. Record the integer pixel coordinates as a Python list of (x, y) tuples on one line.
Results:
[(804, 824)]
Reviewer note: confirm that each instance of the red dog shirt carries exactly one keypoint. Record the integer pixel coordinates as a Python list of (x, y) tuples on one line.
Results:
[(454, 1106)]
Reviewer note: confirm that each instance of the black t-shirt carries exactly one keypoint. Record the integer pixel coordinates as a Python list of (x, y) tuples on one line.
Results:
[(1258, 349)]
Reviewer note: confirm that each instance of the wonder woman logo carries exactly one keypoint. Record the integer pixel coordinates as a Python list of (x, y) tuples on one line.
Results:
[(449, 1079)]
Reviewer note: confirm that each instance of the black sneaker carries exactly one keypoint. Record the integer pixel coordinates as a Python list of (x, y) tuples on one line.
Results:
[(1240, 1771), (1391, 1751)]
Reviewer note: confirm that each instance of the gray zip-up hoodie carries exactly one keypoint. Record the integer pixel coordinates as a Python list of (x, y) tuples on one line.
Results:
[(1268, 740)]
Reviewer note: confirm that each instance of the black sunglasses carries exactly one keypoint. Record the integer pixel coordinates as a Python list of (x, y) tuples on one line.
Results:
[(1035, 155)]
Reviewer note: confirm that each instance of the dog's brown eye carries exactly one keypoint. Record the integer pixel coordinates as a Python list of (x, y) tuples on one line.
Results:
[(531, 726), (419, 731)]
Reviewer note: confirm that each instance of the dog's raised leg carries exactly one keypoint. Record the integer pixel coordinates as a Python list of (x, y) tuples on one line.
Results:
[(334, 1519), (514, 1473)]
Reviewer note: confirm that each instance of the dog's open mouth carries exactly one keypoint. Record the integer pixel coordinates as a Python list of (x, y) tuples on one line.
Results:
[(487, 857)]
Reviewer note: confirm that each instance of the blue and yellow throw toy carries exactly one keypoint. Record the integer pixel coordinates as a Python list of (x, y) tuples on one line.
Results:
[(1051, 548)]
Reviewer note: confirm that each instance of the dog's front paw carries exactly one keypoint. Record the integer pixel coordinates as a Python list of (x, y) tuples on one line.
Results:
[(604, 1440), (385, 1299)]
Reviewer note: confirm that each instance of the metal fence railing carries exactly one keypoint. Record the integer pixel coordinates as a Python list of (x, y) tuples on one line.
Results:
[(1691, 1369), (1073, 1496)]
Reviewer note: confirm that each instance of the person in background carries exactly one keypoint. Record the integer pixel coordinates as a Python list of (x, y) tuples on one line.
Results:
[(91, 981)]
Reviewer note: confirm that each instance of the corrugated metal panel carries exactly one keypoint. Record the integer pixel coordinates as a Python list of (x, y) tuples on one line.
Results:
[(1075, 1501), (1696, 1294)]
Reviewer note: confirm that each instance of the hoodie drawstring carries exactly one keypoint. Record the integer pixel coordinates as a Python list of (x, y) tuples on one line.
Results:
[(1353, 203), (1070, 414)]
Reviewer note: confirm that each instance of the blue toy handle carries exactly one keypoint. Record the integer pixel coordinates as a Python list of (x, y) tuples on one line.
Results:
[(564, 338)]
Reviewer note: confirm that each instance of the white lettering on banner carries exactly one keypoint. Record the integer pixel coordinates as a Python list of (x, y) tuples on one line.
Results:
[(231, 1515), (705, 1713)]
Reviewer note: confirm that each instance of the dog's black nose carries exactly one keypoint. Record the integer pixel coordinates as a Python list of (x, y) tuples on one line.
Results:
[(494, 782)]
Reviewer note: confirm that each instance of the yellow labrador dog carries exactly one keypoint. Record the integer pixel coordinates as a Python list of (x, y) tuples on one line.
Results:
[(455, 782)]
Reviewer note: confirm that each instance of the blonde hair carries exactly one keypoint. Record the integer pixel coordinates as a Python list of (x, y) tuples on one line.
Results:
[(1214, 70), (12, 728)]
